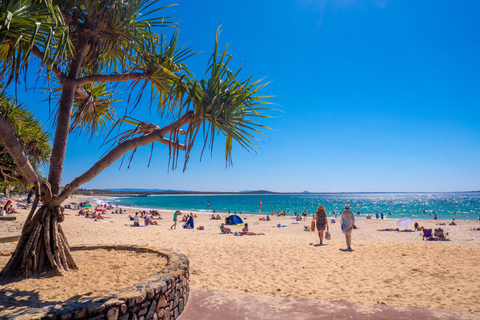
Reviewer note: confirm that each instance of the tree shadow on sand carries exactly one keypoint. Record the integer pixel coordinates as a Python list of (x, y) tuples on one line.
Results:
[(16, 303)]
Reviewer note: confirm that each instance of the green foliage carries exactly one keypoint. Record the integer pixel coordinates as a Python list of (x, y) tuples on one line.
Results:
[(231, 106), (33, 138)]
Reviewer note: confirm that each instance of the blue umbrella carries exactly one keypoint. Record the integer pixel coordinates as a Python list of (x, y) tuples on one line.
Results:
[(74, 203)]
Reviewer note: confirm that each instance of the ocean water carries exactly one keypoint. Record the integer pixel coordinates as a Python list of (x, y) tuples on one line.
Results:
[(461, 206)]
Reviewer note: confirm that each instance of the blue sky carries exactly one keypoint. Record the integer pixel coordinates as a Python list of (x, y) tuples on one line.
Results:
[(373, 96)]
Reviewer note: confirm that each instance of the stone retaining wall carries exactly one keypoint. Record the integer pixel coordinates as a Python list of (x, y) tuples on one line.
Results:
[(162, 296)]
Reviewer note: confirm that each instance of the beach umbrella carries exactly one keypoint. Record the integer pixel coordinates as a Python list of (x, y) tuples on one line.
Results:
[(74, 203), (404, 222), (88, 205)]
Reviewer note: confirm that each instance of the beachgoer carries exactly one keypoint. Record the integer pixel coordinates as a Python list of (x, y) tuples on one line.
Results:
[(249, 233), (150, 221), (224, 229), (389, 229), (453, 222), (175, 217), (434, 215), (418, 227), (268, 218), (145, 218), (376, 215), (322, 222), (135, 220), (347, 221), (368, 216), (304, 214), (381, 215)]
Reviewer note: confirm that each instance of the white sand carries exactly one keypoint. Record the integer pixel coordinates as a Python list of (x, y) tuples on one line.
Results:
[(395, 268)]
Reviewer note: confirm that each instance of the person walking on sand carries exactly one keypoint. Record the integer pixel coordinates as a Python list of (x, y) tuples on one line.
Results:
[(321, 222), (347, 221), (175, 218)]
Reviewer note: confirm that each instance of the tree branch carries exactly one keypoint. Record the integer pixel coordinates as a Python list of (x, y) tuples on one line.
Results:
[(111, 78), (156, 135), (9, 139)]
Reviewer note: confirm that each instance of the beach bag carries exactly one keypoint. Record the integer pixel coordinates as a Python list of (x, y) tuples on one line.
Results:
[(327, 235)]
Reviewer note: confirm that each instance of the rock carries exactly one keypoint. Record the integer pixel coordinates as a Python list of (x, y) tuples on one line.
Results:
[(112, 314), (150, 293), (162, 302), (160, 313), (151, 311), (143, 311)]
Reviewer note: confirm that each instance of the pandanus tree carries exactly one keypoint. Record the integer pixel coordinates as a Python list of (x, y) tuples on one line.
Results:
[(84, 49)]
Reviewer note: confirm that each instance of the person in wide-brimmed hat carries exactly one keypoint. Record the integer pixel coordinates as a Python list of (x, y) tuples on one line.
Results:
[(321, 222), (347, 221)]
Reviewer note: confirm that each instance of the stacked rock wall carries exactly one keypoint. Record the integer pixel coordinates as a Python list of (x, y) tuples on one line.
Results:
[(162, 296)]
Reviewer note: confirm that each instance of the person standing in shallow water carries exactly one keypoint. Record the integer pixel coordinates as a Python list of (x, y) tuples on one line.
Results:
[(347, 221), (321, 222)]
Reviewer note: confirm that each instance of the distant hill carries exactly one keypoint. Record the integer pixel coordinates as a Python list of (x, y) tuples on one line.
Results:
[(256, 192), (135, 190)]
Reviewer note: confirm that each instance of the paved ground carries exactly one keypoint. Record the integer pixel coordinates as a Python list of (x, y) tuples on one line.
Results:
[(211, 305)]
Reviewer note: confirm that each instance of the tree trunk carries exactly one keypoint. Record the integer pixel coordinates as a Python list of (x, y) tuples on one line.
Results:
[(42, 248)]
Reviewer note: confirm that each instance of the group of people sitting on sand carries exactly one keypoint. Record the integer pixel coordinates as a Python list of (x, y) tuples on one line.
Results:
[(216, 217), (91, 215), (187, 216), (267, 218), (245, 231), (148, 218)]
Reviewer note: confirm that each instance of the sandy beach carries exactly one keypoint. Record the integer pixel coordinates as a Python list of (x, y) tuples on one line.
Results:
[(394, 268)]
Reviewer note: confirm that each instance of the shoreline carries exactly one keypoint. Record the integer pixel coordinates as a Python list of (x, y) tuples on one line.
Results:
[(290, 214)]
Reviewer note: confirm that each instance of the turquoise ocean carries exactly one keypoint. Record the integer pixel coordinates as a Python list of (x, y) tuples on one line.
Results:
[(461, 206)]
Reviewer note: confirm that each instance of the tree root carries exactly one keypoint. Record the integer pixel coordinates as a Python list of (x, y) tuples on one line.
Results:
[(42, 247)]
